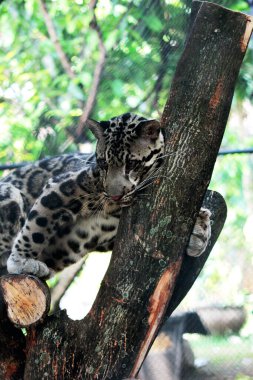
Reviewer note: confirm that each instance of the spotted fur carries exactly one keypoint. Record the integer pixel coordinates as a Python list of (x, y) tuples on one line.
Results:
[(57, 210)]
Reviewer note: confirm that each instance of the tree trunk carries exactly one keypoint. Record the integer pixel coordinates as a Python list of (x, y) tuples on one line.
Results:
[(113, 339), (12, 349)]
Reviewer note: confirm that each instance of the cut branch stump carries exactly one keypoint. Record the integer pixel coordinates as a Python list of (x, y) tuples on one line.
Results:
[(27, 299)]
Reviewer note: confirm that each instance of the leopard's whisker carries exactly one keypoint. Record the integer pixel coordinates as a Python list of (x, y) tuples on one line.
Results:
[(145, 186), (89, 201), (166, 155), (141, 184), (99, 206), (147, 181)]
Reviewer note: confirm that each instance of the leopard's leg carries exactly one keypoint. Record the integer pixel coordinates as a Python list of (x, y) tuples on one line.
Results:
[(12, 217), (201, 234), (48, 213)]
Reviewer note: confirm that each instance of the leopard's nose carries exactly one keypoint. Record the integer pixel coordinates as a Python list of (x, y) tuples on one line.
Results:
[(116, 198)]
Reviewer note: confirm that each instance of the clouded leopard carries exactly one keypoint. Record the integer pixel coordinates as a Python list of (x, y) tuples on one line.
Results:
[(56, 210)]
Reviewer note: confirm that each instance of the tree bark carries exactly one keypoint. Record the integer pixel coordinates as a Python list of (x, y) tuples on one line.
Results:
[(113, 339), (12, 348)]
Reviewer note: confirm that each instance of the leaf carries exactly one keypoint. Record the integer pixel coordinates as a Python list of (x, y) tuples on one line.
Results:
[(117, 87), (153, 23), (75, 91)]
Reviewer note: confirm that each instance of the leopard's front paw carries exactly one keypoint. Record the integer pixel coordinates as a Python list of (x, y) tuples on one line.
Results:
[(18, 265), (201, 234)]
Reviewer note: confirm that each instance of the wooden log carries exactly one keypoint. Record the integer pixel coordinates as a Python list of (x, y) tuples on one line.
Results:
[(27, 299), (111, 342), (12, 348)]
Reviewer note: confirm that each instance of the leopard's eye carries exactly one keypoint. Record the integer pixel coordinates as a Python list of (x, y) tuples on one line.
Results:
[(102, 163)]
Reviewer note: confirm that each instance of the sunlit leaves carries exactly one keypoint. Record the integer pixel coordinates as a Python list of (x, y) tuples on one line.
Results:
[(31, 70)]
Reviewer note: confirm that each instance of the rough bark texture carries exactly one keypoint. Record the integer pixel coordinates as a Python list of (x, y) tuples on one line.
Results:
[(12, 349), (111, 342)]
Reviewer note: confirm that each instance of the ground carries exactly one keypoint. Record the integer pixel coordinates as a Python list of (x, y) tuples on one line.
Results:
[(221, 358)]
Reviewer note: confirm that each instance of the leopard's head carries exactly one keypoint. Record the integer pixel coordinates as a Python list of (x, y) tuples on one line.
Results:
[(129, 149)]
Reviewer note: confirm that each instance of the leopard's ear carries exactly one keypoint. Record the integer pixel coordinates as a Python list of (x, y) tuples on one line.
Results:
[(95, 128), (150, 129)]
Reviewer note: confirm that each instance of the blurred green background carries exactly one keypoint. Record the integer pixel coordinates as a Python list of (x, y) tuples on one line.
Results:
[(60, 58)]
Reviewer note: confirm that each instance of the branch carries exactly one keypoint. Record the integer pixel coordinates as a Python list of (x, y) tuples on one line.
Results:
[(65, 280), (54, 38), (165, 50), (97, 72), (77, 134), (67, 66)]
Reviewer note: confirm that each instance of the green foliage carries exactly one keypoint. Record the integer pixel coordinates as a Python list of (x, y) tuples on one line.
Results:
[(243, 377), (225, 357), (38, 99), (36, 89)]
